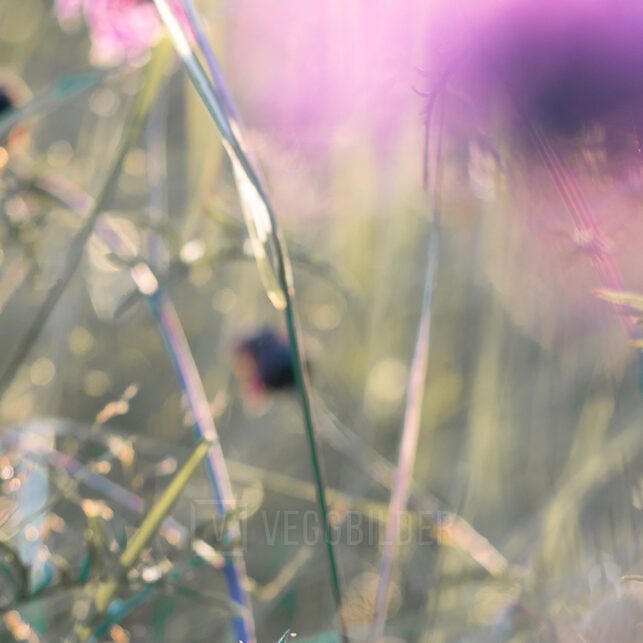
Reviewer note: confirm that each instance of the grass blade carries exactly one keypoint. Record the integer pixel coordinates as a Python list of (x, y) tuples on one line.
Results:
[(411, 423), (267, 234), (103, 593), (192, 387)]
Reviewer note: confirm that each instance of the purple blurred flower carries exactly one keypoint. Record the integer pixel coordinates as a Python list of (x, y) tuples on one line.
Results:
[(120, 29), (556, 87), (565, 65), (323, 71)]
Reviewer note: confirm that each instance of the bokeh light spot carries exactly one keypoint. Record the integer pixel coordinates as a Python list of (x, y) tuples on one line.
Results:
[(96, 383), (80, 341), (42, 372)]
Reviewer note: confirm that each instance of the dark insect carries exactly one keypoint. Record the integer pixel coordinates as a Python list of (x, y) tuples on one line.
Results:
[(264, 364)]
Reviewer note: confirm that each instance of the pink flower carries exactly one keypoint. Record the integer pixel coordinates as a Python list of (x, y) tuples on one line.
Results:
[(564, 64), (321, 73), (120, 29), (548, 94)]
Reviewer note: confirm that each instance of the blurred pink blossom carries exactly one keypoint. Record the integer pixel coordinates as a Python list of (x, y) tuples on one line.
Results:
[(120, 29), (323, 71), (555, 89), (564, 64)]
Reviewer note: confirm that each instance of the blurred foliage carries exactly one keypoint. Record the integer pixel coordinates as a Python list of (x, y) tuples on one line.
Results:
[(530, 427)]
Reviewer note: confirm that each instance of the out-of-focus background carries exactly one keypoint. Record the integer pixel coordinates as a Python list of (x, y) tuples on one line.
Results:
[(530, 429)]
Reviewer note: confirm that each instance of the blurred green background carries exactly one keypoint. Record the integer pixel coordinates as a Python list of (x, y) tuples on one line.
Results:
[(530, 427)]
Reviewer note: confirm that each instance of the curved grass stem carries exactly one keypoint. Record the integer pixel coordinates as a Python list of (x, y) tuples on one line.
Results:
[(412, 415), (268, 246), (103, 593), (192, 387)]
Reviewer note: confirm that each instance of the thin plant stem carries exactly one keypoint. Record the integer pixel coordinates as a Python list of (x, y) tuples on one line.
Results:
[(211, 60), (190, 382), (265, 234), (103, 593), (412, 418), (192, 387), (178, 347), (121, 609)]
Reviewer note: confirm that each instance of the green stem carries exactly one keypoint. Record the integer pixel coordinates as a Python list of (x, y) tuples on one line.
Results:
[(223, 116), (104, 593)]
